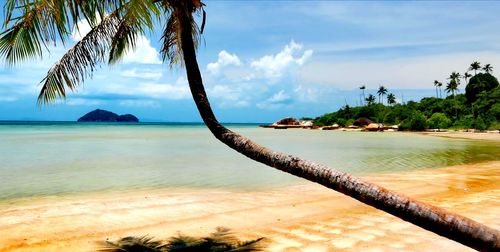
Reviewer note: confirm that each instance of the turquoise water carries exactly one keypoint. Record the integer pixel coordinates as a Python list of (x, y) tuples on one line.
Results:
[(38, 159)]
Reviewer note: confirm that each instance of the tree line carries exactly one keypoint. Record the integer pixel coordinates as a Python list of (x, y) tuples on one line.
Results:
[(477, 107)]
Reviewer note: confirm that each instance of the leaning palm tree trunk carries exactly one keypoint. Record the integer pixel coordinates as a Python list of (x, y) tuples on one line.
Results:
[(437, 220)]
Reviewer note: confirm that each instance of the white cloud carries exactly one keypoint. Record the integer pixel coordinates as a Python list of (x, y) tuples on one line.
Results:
[(142, 73), (225, 59), (277, 100), (273, 66), (178, 90), (143, 53), (81, 29), (140, 103), (83, 101), (229, 96)]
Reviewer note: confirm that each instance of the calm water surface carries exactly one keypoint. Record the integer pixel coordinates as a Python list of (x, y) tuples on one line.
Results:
[(57, 158)]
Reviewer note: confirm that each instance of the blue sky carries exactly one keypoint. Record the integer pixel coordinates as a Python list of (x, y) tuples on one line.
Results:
[(264, 60)]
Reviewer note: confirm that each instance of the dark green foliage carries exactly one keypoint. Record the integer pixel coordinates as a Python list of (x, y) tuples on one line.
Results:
[(452, 111), (342, 122), (438, 121), (487, 106), (481, 82), (418, 122), (391, 118), (466, 122), (479, 124), (219, 241)]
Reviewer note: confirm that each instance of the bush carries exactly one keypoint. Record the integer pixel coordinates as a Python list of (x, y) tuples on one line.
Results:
[(391, 118), (438, 121), (349, 122), (467, 122), (494, 126), (416, 122), (342, 122), (479, 124)]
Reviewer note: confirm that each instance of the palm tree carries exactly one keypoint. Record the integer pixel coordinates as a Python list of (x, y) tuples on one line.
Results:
[(436, 84), (370, 99), (452, 87), (363, 90), (466, 76), (475, 66), (381, 92), (30, 25), (440, 84), (455, 80), (488, 68), (391, 99)]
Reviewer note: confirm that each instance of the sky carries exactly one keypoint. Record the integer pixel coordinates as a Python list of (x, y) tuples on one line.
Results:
[(265, 60)]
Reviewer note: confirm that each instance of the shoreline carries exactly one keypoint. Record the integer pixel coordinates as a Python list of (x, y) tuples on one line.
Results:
[(486, 136), (305, 217)]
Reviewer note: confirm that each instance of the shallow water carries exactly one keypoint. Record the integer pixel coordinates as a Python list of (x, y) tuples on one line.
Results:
[(38, 159)]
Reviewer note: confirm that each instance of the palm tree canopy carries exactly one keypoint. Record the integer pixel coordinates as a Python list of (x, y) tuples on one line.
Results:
[(475, 66), (452, 86), (382, 90), (391, 98), (30, 26), (370, 99), (488, 68)]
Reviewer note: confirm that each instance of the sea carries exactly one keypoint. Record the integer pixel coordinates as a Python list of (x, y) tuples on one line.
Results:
[(65, 158)]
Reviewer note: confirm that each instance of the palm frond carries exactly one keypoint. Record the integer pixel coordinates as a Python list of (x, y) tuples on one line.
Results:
[(80, 61), (32, 24), (115, 34), (137, 16), (171, 47)]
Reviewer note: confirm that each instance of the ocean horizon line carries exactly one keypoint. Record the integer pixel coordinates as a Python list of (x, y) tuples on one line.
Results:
[(6, 122)]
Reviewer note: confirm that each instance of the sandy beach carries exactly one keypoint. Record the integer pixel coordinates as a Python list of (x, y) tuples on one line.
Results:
[(304, 217), (489, 136)]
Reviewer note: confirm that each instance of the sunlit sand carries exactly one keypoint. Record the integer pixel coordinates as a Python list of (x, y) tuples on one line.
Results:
[(297, 218)]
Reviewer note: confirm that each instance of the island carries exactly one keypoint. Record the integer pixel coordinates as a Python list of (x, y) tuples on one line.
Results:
[(100, 115)]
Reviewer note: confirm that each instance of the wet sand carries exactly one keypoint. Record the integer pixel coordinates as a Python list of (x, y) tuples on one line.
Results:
[(489, 136), (305, 217)]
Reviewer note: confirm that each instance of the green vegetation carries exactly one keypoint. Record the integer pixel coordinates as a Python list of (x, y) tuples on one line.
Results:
[(221, 240), (478, 108)]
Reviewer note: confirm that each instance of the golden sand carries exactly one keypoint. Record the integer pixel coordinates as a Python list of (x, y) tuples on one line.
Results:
[(490, 136), (307, 217)]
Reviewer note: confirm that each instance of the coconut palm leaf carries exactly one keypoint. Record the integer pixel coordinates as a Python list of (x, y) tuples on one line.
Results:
[(115, 33), (80, 61), (138, 17), (32, 24), (171, 50)]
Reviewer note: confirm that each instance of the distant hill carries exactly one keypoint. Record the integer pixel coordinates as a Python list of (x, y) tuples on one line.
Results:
[(100, 115)]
